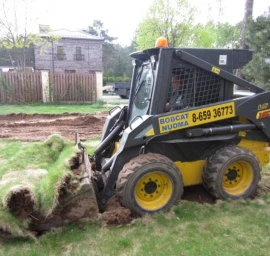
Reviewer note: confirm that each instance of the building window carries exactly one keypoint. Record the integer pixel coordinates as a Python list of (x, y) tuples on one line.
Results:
[(60, 55), (78, 55), (70, 71), (79, 51)]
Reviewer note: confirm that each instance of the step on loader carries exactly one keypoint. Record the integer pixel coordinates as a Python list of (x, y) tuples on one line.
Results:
[(184, 125)]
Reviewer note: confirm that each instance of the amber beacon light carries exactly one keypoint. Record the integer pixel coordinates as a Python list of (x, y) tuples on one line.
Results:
[(161, 42)]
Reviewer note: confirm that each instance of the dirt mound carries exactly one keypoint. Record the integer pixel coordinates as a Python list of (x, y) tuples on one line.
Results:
[(116, 214), (38, 127), (88, 120)]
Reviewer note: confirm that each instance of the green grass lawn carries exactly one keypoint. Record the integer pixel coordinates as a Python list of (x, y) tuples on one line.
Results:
[(189, 228), (54, 109), (226, 228)]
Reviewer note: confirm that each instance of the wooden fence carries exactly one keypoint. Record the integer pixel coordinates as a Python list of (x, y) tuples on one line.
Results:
[(66, 87), (22, 87)]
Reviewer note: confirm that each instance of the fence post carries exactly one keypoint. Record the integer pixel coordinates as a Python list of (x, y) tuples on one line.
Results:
[(45, 86), (99, 81)]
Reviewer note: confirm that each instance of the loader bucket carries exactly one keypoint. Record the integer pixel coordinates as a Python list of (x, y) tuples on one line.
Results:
[(85, 203)]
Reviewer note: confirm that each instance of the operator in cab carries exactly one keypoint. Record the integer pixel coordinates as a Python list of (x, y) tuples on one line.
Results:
[(176, 94)]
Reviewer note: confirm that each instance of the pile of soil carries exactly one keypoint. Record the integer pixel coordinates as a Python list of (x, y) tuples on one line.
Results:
[(116, 214)]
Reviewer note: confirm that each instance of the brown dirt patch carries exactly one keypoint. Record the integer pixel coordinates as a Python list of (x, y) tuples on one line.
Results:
[(197, 194), (116, 214), (38, 127)]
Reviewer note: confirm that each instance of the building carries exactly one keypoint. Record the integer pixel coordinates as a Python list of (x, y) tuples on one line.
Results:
[(71, 52)]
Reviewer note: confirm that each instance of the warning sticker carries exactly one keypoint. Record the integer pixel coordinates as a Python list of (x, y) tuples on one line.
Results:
[(222, 59)]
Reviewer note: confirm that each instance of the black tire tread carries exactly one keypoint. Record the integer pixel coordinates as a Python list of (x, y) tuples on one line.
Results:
[(135, 164), (216, 162)]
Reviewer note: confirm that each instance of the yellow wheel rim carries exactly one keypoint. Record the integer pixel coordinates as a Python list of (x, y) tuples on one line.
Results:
[(153, 191), (237, 178)]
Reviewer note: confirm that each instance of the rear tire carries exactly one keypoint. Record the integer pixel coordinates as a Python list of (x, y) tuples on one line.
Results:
[(232, 173), (149, 183)]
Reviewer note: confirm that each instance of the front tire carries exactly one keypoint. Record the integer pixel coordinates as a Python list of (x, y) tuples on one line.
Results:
[(149, 183), (232, 173)]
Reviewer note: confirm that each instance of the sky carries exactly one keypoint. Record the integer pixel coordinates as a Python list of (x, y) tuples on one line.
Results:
[(122, 17)]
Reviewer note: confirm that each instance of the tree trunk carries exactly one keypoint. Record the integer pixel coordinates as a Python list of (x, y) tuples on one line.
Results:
[(247, 15)]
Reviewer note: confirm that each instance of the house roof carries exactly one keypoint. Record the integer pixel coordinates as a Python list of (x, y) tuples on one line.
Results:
[(73, 34)]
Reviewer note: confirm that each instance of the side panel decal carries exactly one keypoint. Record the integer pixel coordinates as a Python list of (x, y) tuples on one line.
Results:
[(196, 117)]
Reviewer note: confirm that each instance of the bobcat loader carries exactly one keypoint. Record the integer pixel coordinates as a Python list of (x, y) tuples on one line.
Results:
[(149, 153)]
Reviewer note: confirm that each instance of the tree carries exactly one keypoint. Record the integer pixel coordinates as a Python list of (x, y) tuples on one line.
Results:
[(170, 18), (258, 38), (204, 35), (247, 16), (228, 35), (15, 36), (215, 35), (97, 29), (123, 63), (174, 20), (109, 52), (116, 62)]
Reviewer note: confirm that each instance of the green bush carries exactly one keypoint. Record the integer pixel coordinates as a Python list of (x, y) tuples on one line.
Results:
[(115, 79)]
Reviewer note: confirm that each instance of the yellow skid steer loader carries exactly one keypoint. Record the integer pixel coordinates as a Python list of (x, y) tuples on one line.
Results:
[(183, 126)]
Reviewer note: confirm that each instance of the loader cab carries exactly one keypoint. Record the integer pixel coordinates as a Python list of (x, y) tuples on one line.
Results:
[(156, 69)]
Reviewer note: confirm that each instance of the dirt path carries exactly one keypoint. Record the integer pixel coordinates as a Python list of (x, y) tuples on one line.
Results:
[(38, 127)]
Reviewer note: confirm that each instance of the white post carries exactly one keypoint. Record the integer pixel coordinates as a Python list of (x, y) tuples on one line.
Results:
[(99, 79), (45, 86)]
